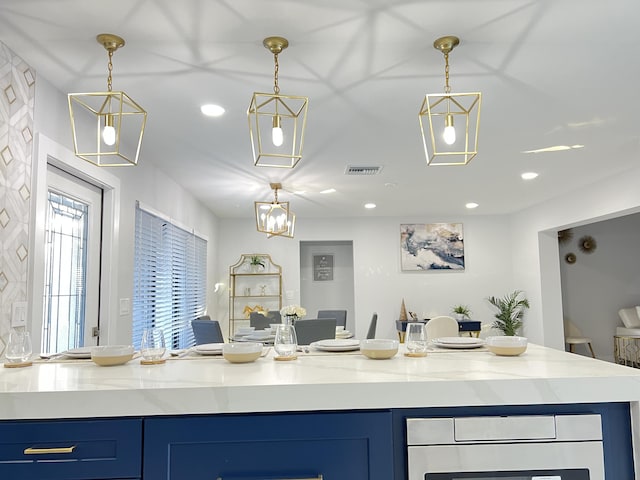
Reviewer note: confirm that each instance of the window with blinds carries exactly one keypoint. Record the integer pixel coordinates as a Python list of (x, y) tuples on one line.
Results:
[(170, 267)]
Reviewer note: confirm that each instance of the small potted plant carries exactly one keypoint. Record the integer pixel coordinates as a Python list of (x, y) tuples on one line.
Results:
[(511, 310), (462, 312), (256, 263)]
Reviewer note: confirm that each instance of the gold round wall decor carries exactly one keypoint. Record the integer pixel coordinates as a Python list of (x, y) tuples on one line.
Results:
[(587, 244), (570, 258)]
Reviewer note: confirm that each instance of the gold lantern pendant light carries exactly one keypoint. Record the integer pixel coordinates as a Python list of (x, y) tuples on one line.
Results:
[(107, 126), (450, 121), (274, 218), (277, 122)]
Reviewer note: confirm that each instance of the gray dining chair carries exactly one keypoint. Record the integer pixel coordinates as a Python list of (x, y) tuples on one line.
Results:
[(339, 315), (206, 331), (312, 330), (371, 333), (259, 321)]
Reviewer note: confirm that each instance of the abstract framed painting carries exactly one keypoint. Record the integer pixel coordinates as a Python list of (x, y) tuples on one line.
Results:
[(432, 246)]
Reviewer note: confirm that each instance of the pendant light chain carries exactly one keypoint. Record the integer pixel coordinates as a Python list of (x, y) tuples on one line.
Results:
[(275, 201), (276, 88), (447, 88), (110, 68)]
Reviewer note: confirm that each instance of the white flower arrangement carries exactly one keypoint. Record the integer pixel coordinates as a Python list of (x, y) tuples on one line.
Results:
[(296, 310)]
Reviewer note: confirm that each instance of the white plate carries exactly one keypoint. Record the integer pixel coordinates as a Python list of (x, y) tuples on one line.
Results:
[(344, 335), (459, 340), (259, 337), (337, 345), (209, 349), (458, 345), (82, 352)]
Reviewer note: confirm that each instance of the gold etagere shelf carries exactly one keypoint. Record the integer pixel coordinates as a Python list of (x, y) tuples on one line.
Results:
[(255, 283)]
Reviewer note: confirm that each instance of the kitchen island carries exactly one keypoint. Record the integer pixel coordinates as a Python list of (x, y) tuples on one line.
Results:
[(475, 382)]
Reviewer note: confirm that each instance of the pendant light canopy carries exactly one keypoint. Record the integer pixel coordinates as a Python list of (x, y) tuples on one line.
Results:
[(277, 122), (107, 127), (450, 121), (274, 218)]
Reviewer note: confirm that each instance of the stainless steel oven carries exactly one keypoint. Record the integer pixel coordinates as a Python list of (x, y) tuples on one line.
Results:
[(531, 447)]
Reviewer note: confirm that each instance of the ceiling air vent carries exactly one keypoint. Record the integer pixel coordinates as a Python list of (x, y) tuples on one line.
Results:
[(351, 170)]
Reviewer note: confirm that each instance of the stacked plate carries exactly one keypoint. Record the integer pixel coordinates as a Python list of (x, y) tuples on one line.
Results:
[(336, 345), (458, 342), (259, 336), (82, 352), (209, 349), (343, 334)]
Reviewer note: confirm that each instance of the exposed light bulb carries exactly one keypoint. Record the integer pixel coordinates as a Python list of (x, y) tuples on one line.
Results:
[(108, 132), (109, 135), (277, 137), (449, 134)]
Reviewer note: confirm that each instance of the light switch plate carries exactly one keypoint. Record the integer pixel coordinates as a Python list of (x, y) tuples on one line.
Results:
[(125, 306), (19, 314)]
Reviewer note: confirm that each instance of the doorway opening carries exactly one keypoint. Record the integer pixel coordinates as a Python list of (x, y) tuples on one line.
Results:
[(326, 278)]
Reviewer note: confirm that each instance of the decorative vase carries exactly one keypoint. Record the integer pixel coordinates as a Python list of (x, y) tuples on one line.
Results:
[(289, 319)]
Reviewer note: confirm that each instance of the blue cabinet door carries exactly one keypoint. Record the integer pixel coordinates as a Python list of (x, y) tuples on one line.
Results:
[(354, 446), (71, 449)]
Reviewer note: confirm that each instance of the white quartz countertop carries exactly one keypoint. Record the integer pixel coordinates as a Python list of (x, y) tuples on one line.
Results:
[(338, 381)]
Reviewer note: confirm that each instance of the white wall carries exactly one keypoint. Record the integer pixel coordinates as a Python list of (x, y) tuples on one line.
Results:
[(144, 183), (597, 285), (535, 250), (380, 286)]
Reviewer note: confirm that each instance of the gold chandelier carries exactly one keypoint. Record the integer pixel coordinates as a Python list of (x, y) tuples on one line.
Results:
[(450, 121), (107, 126), (277, 122), (274, 218)]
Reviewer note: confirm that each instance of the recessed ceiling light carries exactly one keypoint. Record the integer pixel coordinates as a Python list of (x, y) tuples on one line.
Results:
[(212, 110), (472, 205), (369, 205), (529, 175), (299, 192), (328, 190), (554, 148)]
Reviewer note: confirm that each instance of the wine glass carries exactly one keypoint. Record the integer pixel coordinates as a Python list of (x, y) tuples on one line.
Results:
[(19, 347), (286, 342), (416, 340), (152, 346)]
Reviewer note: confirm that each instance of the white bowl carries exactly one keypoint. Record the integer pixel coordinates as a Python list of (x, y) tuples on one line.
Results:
[(108, 355), (509, 346), (241, 352), (379, 348)]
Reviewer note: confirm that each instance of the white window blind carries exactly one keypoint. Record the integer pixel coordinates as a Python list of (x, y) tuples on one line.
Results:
[(170, 266)]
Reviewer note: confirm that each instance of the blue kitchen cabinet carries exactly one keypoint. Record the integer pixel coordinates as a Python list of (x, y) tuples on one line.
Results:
[(86, 449), (350, 445)]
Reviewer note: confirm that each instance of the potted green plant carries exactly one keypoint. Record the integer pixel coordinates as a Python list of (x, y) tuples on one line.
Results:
[(511, 310), (462, 312), (256, 262)]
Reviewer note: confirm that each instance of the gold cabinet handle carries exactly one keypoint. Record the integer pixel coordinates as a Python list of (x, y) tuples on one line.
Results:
[(48, 451), (319, 477)]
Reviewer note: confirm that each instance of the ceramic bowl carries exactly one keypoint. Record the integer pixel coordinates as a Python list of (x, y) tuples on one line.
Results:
[(506, 346), (108, 355), (241, 352), (379, 348)]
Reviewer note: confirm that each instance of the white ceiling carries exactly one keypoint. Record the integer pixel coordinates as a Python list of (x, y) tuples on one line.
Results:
[(552, 72)]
